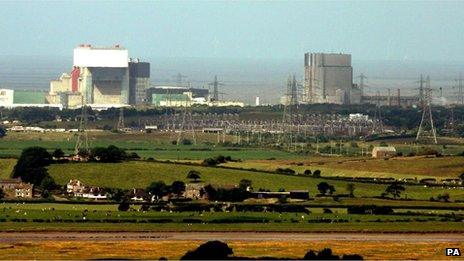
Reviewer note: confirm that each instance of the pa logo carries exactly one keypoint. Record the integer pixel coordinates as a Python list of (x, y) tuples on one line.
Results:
[(453, 252)]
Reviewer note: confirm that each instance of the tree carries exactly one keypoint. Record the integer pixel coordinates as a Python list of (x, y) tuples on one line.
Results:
[(2, 194), (111, 154), (58, 154), (244, 184), (307, 172), (317, 173), (444, 197), (30, 166), (158, 189), (178, 187), (48, 183), (350, 188), (324, 254), (461, 177), (395, 189), (325, 188), (116, 195), (211, 250), (193, 174)]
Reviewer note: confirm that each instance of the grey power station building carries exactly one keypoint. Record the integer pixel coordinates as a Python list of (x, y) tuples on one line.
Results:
[(329, 79), (139, 81)]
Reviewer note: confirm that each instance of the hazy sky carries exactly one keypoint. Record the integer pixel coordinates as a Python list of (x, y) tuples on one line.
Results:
[(429, 31)]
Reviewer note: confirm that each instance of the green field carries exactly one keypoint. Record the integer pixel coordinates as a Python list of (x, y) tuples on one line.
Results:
[(6, 167), (139, 174), (157, 146), (73, 217), (400, 167)]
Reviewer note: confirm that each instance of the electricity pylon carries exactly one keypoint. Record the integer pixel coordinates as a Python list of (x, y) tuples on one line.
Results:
[(216, 85), (426, 130), (82, 143), (120, 126), (187, 123), (377, 125), (290, 115)]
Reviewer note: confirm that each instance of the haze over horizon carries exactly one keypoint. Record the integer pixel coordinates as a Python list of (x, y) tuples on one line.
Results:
[(246, 43)]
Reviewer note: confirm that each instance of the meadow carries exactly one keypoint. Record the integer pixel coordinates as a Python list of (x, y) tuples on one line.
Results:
[(139, 174), (82, 217), (400, 167)]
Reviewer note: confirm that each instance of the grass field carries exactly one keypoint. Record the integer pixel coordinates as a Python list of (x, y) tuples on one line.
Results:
[(173, 250), (139, 174), (6, 167), (156, 145), (401, 167)]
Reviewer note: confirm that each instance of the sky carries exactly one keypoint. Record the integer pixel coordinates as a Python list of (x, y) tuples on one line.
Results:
[(411, 30)]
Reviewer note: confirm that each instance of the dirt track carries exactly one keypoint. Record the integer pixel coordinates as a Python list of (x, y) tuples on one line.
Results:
[(7, 237)]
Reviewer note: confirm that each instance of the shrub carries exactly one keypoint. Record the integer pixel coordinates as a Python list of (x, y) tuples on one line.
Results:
[(124, 206)]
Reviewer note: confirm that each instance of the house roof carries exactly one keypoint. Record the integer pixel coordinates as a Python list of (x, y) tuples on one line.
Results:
[(386, 149), (10, 181)]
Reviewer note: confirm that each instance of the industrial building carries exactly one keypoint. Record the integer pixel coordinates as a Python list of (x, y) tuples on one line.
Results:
[(101, 77), (23, 98), (139, 81), (329, 79), (176, 95)]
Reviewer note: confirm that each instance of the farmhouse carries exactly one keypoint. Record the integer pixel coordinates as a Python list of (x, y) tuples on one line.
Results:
[(138, 194), (15, 188), (77, 189), (193, 191), (74, 186), (383, 152)]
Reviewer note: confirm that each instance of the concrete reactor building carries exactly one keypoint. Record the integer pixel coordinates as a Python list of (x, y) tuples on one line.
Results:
[(101, 77), (329, 79)]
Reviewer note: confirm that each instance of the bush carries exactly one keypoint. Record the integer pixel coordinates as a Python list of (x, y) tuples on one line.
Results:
[(370, 209), (285, 171), (124, 206), (212, 250), (327, 211)]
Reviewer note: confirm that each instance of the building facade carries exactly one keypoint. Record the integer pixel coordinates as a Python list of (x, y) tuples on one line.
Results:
[(329, 79), (101, 77), (139, 81)]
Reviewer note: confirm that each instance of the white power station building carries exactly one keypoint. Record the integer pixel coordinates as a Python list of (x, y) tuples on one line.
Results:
[(101, 77), (6, 97)]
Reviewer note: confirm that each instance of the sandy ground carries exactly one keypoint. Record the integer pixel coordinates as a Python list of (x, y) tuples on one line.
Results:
[(9, 237)]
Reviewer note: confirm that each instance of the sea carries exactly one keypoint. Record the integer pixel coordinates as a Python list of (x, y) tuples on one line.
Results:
[(244, 79)]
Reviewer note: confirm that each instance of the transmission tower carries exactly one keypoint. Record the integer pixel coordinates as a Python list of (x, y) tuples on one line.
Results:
[(290, 115), (460, 90), (187, 124), (426, 130), (120, 126), (377, 125), (180, 79), (82, 143), (362, 77), (216, 85)]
